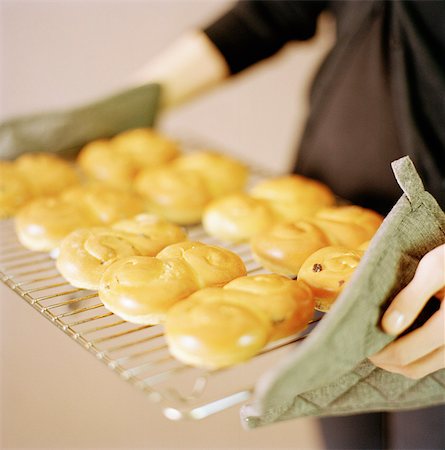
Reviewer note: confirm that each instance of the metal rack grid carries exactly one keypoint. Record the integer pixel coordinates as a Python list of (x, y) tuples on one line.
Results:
[(137, 353)]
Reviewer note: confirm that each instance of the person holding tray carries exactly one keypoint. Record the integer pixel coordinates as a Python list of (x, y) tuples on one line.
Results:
[(379, 95)]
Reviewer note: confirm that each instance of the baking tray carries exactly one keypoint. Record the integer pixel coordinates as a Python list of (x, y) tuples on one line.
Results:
[(136, 353)]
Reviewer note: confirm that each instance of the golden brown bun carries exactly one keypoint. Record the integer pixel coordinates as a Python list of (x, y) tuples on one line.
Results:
[(151, 233), (216, 328), (180, 191), (348, 226), (145, 147), (283, 199), (100, 163), (213, 265), (285, 246), (289, 304), (177, 195), (42, 223), (327, 271), (223, 175), (86, 253), (46, 174), (117, 161), (366, 218), (293, 197), (14, 190), (237, 217), (177, 250), (142, 289), (106, 203)]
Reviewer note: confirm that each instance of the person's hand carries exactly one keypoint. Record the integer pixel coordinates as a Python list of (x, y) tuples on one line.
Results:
[(421, 351)]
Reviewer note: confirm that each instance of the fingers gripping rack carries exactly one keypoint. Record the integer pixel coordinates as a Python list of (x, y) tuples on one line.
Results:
[(138, 353)]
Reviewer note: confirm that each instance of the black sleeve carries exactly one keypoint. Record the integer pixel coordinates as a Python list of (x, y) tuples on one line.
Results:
[(254, 30)]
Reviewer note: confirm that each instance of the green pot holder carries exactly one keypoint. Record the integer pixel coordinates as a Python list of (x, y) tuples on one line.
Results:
[(66, 132), (329, 373)]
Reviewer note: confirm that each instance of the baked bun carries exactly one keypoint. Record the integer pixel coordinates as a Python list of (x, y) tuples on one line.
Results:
[(327, 271), (293, 197), (223, 175), (151, 233), (42, 223), (118, 160), (85, 253), (142, 289), (348, 226), (14, 190), (177, 195), (285, 246), (107, 204), (365, 218), (145, 147), (99, 162), (177, 250), (180, 191), (219, 327), (213, 265), (216, 328), (288, 303), (46, 174), (237, 217)]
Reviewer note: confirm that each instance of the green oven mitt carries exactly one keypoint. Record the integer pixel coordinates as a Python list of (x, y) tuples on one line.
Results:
[(329, 374), (66, 132)]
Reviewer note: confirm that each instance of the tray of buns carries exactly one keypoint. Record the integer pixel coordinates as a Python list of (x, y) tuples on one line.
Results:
[(188, 273), (137, 353)]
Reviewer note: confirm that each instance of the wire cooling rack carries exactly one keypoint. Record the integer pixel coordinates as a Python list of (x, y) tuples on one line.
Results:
[(137, 353)]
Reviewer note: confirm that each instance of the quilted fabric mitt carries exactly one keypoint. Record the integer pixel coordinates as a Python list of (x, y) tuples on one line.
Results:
[(329, 374), (65, 132)]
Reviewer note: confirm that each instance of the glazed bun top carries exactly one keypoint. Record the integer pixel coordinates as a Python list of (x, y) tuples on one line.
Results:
[(181, 190), (219, 327), (42, 223), (237, 217), (348, 226), (288, 303), (213, 265), (107, 204), (216, 328), (100, 163), (150, 233), (223, 175), (294, 197), (145, 147), (327, 271), (45, 173), (177, 195), (117, 161)]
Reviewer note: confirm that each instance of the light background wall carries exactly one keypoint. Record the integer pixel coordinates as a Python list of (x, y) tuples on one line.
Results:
[(60, 53), (54, 54)]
